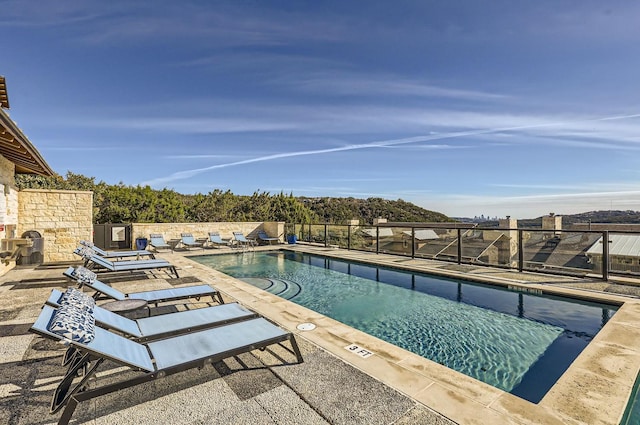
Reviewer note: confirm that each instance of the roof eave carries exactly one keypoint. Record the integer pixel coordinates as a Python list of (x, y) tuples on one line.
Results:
[(17, 148)]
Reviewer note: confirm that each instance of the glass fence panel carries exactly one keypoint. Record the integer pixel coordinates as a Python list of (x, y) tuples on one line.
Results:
[(316, 234), (337, 235), (299, 230), (560, 252), (394, 240), (624, 253), (436, 243), (555, 251), (494, 247), (370, 236), (362, 239)]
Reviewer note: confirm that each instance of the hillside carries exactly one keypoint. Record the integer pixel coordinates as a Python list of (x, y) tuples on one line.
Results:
[(339, 210), (137, 204)]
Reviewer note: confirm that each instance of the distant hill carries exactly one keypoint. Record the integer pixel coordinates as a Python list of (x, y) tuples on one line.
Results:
[(626, 217), (340, 210), (614, 216), (629, 217)]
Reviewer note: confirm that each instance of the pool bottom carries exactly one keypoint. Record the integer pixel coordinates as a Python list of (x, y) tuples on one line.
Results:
[(304, 279), (466, 338)]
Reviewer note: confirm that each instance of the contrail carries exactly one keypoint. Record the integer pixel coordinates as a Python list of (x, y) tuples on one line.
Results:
[(393, 142)]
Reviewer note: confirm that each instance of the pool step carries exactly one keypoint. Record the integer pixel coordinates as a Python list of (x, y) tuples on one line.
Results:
[(283, 288)]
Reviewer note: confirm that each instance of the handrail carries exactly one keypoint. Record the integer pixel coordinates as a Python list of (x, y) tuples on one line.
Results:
[(395, 244)]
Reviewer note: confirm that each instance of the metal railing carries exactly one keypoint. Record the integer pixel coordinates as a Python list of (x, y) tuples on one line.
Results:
[(570, 252)]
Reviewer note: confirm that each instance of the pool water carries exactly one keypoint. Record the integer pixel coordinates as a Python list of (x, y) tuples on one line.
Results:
[(515, 341), (632, 412)]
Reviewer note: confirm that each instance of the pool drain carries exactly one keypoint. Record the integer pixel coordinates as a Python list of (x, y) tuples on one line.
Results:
[(306, 327)]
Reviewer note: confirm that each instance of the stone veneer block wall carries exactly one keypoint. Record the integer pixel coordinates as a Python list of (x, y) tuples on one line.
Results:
[(62, 217), (8, 205), (201, 230), (8, 196)]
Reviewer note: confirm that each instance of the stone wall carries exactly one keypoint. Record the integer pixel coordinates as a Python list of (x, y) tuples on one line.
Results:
[(201, 230), (62, 217), (8, 208)]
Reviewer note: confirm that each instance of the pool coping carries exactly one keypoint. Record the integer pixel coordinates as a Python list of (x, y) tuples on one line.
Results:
[(594, 390)]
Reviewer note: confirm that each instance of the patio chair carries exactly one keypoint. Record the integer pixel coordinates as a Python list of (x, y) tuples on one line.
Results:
[(87, 278), (161, 326), (156, 240), (216, 240), (149, 361), (116, 255), (262, 235), (96, 262), (87, 252), (189, 241), (241, 241)]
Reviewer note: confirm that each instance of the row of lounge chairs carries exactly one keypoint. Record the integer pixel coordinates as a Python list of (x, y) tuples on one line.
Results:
[(152, 347), (187, 240), (117, 261)]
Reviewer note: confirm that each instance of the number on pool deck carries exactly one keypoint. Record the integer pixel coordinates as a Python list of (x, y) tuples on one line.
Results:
[(359, 350)]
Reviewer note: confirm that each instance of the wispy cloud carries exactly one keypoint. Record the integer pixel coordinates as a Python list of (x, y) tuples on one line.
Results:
[(82, 148), (377, 144), (193, 125), (198, 156), (32, 14), (228, 24), (343, 83)]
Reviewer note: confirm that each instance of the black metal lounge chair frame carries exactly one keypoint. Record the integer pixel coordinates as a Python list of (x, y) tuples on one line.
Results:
[(54, 298), (98, 263), (72, 354), (189, 241), (115, 255), (210, 292), (85, 363), (215, 240), (241, 241), (262, 235), (156, 240)]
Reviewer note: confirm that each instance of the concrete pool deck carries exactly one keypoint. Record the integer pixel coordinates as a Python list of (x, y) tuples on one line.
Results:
[(333, 385)]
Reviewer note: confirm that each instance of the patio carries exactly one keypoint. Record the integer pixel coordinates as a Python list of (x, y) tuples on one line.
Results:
[(332, 385), (255, 388)]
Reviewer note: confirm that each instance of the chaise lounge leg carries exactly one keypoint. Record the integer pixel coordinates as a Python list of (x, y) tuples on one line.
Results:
[(66, 389), (68, 411), (296, 349)]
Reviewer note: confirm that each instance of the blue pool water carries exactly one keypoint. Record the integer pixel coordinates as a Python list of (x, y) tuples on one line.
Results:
[(515, 341), (632, 413)]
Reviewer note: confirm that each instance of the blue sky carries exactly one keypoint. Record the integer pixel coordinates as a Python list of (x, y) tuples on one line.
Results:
[(499, 108)]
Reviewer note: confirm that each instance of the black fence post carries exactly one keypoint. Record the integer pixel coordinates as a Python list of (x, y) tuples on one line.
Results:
[(326, 233), (459, 246), (348, 237), (520, 251), (377, 239), (605, 255), (413, 242)]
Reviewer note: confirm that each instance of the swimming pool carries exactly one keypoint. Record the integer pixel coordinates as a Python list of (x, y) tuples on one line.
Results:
[(515, 341)]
